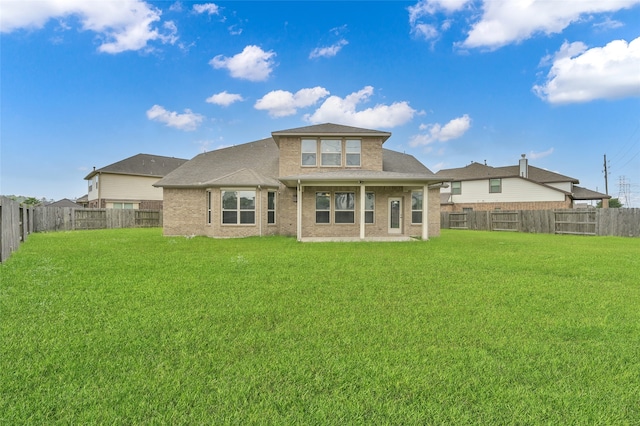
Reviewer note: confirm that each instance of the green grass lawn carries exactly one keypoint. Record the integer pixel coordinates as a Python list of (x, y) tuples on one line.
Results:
[(128, 327)]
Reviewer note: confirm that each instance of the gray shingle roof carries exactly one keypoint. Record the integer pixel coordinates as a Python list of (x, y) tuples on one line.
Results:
[(476, 171), (253, 163), (142, 165), (580, 193), (257, 163), (329, 129)]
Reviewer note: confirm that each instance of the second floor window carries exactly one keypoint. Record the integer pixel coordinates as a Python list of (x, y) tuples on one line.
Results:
[(309, 152), (495, 186), (352, 148), (331, 152), (456, 188)]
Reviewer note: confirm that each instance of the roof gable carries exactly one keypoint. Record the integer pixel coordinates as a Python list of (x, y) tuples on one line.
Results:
[(330, 130), (142, 165)]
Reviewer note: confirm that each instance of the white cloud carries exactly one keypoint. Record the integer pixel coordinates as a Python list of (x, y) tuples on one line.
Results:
[(438, 133), (329, 51), (224, 98), (495, 23), (425, 9), (121, 26), (209, 8), (579, 74), (280, 103), (338, 110), (187, 121), (253, 64), (508, 21), (539, 155)]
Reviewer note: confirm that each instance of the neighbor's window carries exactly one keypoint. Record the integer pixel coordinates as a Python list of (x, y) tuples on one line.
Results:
[(209, 207), (345, 207), (323, 207), (495, 186), (239, 207), (416, 207), (456, 188), (271, 207), (331, 152), (126, 206), (369, 207), (309, 152), (352, 148)]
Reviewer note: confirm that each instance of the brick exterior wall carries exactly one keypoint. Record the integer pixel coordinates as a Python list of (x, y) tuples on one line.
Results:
[(184, 212), (380, 227), (290, 157)]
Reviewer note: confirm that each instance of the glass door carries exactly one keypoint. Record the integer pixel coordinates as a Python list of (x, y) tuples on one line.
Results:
[(395, 215)]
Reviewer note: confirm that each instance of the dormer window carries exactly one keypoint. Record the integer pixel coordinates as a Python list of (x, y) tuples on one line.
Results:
[(331, 152)]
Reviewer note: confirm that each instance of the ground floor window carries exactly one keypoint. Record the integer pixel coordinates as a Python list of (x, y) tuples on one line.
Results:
[(345, 207), (127, 206), (209, 207), (416, 207), (271, 207), (323, 207), (369, 207), (238, 207)]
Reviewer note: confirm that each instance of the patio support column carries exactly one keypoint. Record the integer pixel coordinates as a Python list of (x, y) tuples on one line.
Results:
[(425, 212), (362, 207), (299, 213)]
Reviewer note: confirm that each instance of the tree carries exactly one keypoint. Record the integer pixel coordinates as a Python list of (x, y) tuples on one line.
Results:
[(614, 203)]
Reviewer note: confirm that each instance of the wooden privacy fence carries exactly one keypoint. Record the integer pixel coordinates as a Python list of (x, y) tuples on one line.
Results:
[(613, 222), (16, 223), (70, 219)]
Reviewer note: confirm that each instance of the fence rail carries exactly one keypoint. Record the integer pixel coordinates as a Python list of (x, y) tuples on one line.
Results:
[(70, 219), (612, 222)]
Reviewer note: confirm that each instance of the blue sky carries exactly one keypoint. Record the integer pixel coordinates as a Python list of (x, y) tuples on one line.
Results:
[(89, 83)]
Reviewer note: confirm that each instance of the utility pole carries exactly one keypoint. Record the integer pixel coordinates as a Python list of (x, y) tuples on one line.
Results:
[(606, 174)]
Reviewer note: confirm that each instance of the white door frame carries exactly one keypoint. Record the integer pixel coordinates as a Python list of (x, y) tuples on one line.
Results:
[(392, 202)]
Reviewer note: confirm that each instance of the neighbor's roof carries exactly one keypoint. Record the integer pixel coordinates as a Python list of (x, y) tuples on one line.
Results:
[(249, 164), (329, 130), (477, 171), (142, 165), (580, 193), (65, 202)]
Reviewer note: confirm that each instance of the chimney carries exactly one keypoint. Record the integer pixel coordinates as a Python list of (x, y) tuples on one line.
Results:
[(524, 167)]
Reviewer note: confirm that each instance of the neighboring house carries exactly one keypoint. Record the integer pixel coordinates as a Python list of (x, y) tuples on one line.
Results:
[(321, 182), (65, 202), (83, 201), (521, 187), (128, 184)]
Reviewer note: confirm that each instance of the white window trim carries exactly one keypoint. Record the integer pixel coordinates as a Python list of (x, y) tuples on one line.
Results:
[(238, 209)]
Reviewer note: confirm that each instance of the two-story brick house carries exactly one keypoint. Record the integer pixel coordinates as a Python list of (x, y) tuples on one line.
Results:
[(320, 182)]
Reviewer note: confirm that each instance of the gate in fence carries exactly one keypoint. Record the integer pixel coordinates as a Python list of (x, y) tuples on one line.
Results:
[(577, 222)]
